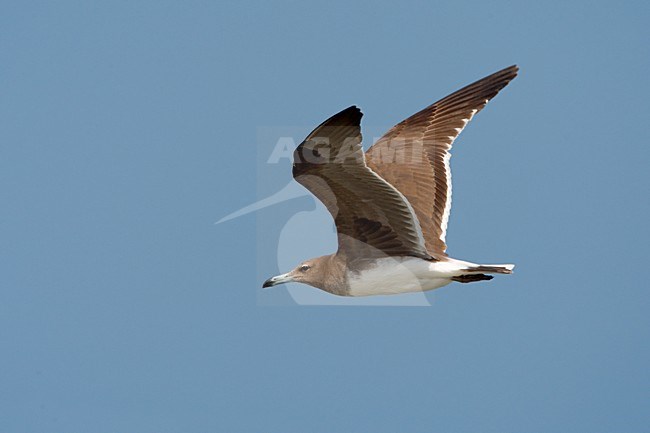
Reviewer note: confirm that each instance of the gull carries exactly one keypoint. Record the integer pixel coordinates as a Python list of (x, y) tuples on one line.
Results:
[(390, 204)]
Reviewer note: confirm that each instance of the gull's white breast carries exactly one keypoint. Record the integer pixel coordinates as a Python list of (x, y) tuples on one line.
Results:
[(390, 276)]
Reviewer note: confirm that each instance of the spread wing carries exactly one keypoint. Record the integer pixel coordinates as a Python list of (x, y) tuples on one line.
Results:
[(414, 155), (372, 217)]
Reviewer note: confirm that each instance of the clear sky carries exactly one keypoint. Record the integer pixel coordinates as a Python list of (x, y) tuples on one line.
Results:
[(128, 128)]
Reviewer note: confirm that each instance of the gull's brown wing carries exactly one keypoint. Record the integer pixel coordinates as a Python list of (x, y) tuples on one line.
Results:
[(372, 217), (414, 155)]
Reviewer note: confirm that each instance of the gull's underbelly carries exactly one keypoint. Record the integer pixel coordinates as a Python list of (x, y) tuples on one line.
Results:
[(403, 275)]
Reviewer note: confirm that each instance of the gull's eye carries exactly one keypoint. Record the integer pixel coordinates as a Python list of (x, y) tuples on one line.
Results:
[(304, 268)]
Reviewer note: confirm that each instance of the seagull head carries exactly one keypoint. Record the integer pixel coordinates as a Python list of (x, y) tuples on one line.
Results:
[(325, 273), (303, 273)]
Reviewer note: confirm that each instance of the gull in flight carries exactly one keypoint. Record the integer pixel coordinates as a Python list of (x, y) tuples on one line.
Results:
[(390, 204)]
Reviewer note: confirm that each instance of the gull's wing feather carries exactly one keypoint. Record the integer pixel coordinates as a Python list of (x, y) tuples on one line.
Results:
[(372, 217), (414, 155)]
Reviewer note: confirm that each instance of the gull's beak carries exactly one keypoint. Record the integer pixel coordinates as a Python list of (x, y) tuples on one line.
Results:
[(279, 279)]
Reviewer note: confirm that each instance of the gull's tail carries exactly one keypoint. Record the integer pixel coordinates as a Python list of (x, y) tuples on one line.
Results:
[(491, 269), (477, 273)]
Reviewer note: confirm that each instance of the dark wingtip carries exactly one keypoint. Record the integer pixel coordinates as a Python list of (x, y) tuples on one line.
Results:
[(510, 71), (352, 112)]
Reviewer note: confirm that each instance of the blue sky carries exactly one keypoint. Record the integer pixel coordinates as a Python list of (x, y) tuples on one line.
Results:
[(128, 129)]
